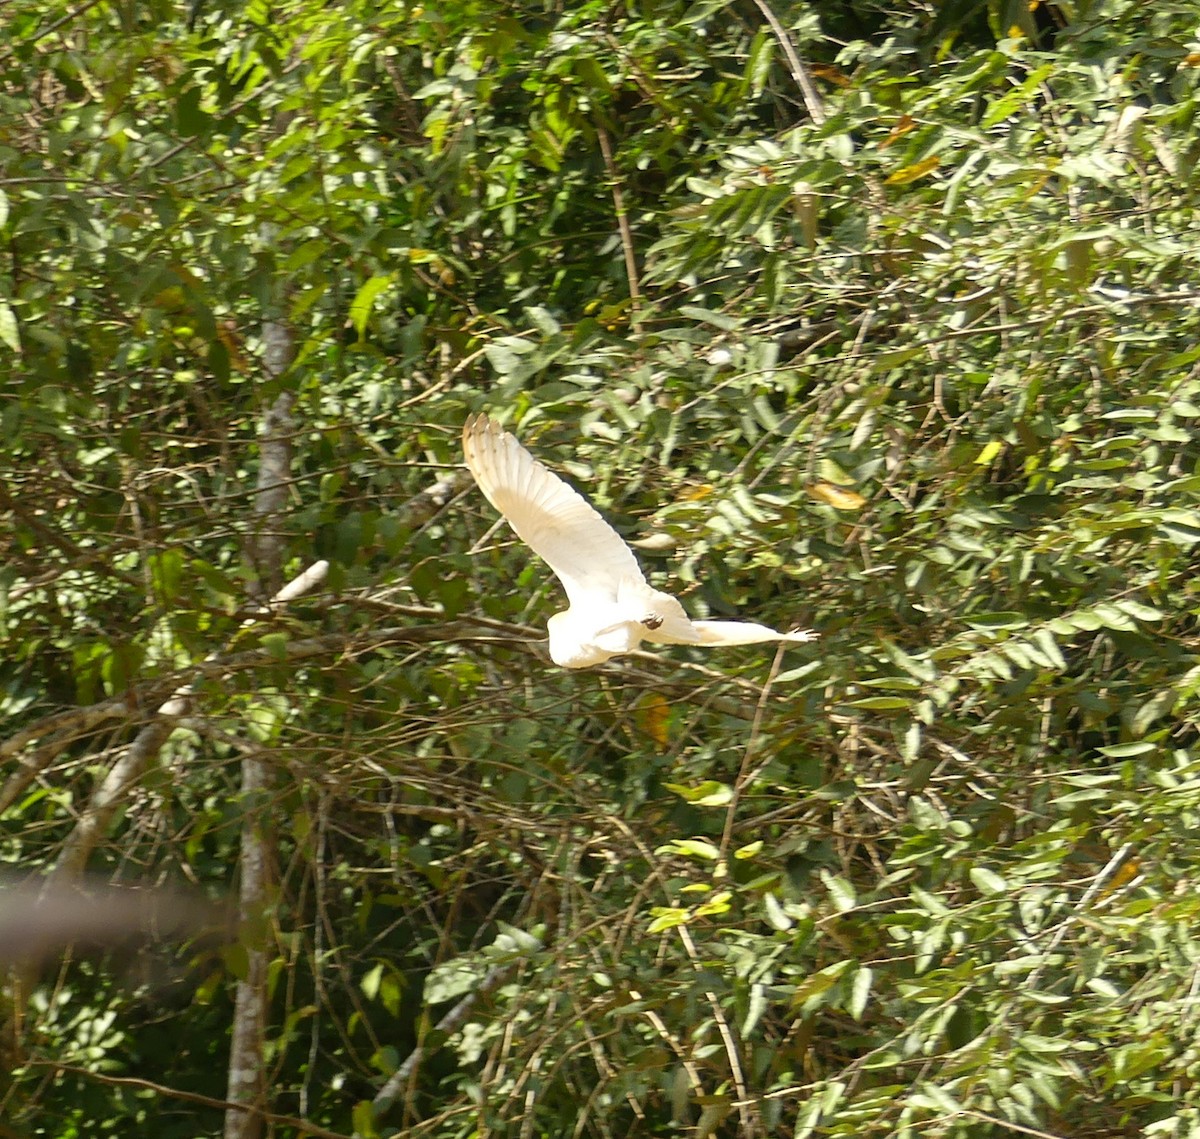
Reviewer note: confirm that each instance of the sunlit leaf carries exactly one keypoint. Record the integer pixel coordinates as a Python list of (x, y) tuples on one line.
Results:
[(9, 335), (710, 793), (914, 172), (692, 848), (860, 992), (775, 914), (665, 918), (364, 301), (988, 881), (903, 125), (841, 892), (838, 497)]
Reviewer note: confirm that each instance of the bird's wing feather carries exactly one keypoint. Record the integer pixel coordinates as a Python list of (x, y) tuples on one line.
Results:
[(586, 554), (744, 633)]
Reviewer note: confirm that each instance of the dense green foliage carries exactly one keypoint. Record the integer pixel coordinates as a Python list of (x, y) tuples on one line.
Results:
[(876, 319)]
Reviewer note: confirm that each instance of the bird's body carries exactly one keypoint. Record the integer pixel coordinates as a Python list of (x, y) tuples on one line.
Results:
[(613, 609)]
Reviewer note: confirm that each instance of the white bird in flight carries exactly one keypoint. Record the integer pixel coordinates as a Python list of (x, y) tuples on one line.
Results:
[(612, 606)]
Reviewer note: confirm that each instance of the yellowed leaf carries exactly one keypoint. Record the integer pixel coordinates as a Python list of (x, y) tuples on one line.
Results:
[(902, 127), (170, 299), (917, 170), (654, 715), (1125, 874), (989, 453), (227, 334), (838, 497), (829, 73)]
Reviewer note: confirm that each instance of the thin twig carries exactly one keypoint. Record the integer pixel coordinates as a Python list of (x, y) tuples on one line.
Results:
[(808, 90), (749, 1120), (614, 181), (301, 1125), (748, 771), (449, 1023)]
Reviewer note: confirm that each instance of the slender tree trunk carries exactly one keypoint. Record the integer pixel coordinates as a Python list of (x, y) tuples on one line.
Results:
[(246, 1083)]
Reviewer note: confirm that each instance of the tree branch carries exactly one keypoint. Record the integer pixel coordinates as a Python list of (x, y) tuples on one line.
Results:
[(451, 1022), (614, 181), (302, 1126), (808, 89)]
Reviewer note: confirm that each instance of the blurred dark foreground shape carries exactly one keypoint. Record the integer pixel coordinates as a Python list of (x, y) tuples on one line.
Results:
[(41, 918)]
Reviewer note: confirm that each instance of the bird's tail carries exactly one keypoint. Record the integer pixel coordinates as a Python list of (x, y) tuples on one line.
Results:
[(744, 633)]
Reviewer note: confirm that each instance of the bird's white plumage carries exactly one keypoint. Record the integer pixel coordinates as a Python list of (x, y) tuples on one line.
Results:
[(612, 607), (586, 554)]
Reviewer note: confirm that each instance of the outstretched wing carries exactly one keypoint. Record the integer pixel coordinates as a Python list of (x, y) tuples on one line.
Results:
[(746, 633), (586, 554)]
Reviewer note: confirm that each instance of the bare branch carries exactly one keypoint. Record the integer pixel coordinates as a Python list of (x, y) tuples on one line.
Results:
[(63, 728), (274, 472), (451, 1022), (301, 1126), (614, 178), (301, 584), (808, 89), (423, 506), (108, 797)]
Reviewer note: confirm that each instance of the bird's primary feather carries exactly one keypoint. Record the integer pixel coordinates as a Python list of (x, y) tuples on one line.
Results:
[(586, 554), (612, 607)]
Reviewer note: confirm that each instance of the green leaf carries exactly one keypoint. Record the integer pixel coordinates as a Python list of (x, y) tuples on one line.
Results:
[(793, 674), (9, 335), (507, 354), (1045, 641), (860, 992), (691, 848), (710, 793), (667, 917), (716, 905), (936, 1099), (756, 1007), (1127, 751), (189, 117), (881, 703), (364, 300), (759, 61), (841, 892), (811, 993), (1154, 709), (988, 881), (777, 918), (1138, 610), (370, 982), (1018, 97), (276, 645), (167, 573), (724, 321)]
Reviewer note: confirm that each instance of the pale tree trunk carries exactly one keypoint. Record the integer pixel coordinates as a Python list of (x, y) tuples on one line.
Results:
[(246, 1083)]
